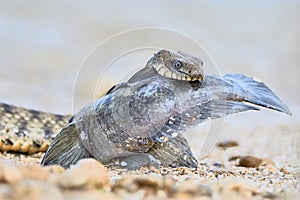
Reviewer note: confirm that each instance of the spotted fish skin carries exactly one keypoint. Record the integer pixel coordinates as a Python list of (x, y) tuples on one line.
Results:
[(119, 125), (154, 112)]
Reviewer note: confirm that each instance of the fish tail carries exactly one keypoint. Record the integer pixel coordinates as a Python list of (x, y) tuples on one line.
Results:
[(66, 149)]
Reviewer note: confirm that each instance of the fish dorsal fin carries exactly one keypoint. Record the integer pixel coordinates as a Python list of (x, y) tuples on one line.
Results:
[(143, 74)]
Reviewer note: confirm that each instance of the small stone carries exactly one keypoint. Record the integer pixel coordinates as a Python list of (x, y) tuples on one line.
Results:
[(284, 170), (227, 144), (236, 188), (250, 161), (192, 188), (11, 173), (269, 195), (6, 191), (55, 169), (151, 183), (94, 194), (271, 168), (127, 183), (35, 189), (164, 171), (161, 194), (87, 174), (35, 171), (183, 170), (137, 195), (182, 196), (218, 165)]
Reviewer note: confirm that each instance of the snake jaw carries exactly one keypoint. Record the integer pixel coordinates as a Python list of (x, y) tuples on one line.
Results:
[(186, 76), (179, 66), (198, 77), (179, 75)]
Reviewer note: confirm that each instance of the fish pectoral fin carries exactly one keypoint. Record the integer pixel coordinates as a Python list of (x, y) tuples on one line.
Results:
[(256, 92), (197, 114), (66, 149), (175, 152)]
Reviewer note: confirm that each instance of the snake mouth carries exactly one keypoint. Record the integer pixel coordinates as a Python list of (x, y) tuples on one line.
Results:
[(198, 77), (179, 75), (188, 77)]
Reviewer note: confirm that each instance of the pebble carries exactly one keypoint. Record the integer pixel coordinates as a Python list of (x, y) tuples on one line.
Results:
[(153, 183), (227, 144), (36, 189), (89, 179), (184, 170), (9, 172), (34, 171), (126, 183), (55, 169), (86, 174), (250, 161), (192, 188), (91, 194), (235, 188), (284, 170)]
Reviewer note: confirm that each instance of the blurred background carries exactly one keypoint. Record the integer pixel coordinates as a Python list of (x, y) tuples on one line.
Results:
[(44, 44)]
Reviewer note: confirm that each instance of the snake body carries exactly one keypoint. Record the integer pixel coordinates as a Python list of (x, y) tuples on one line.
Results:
[(26, 130)]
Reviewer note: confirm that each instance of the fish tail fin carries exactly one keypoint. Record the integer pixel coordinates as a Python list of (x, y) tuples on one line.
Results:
[(66, 149)]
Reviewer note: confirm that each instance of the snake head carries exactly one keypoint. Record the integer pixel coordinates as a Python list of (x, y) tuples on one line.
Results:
[(177, 65)]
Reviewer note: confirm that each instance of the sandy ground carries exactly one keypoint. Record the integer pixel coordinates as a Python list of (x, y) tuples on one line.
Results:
[(241, 177), (43, 47)]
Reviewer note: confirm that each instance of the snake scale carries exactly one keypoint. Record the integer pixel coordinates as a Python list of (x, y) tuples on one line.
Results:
[(26, 130)]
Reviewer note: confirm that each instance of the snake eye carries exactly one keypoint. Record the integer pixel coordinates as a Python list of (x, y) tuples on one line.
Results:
[(178, 64)]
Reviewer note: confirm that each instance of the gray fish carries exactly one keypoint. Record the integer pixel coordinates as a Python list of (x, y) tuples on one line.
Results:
[(128, 122)]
